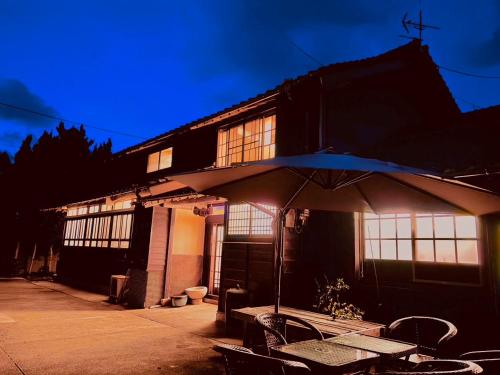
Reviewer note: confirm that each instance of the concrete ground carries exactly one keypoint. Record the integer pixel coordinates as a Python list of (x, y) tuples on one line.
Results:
[(48, 328)]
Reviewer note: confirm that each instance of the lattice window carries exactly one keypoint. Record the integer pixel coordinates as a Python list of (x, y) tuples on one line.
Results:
[(439, 238), (253, 140), (99, 231), (247, 220), (219, 239)]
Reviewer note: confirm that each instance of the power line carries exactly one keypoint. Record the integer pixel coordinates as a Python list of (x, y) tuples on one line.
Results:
[(27, 110), (467, 74), (304, 52)]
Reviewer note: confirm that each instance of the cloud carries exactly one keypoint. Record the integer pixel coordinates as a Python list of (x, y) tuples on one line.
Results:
[(10, 141), (488, 52), (16, 93), (256, 38)]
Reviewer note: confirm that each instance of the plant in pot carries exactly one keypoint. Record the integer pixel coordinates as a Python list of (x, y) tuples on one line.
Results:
[(330, 300)]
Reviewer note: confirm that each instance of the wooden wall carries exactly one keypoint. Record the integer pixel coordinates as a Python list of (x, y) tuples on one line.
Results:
[(249, 265)]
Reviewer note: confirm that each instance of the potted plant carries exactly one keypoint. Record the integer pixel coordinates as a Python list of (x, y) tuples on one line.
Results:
[(329, 300)]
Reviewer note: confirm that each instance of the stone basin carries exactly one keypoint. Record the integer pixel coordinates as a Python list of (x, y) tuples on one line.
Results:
[(196, 294)]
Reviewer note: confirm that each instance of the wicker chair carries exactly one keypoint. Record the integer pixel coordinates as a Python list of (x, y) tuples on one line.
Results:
[(242, 361), (489, 360), (434, 367), (428, 333), (274, 327)]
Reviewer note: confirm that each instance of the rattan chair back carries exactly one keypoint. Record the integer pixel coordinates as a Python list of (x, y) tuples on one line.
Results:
[(274, 328), (489, 360), (430, 334), (242, 361), (435, 367)]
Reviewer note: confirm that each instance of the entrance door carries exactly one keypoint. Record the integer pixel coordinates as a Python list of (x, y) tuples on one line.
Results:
[(216, 258)]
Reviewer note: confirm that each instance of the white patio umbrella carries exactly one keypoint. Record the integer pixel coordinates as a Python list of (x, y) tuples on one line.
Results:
[(326, 181)]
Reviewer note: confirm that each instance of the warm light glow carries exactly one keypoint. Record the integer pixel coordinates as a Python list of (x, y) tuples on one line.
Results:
[(251, 141), (247, 220), (438, 238), (160, 160)]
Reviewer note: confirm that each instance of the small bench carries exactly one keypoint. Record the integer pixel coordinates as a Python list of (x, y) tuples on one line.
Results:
[(324, 323)]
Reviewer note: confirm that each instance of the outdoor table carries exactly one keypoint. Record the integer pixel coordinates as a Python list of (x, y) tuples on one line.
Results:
[(328, 326), (326, 357), (385, 348)]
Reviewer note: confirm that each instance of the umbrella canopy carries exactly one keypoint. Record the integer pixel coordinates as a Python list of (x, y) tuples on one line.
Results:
[(341, 183), (326, 181)]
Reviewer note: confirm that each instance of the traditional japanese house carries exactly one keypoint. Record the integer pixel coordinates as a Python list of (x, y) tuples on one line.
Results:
[(394, 106)]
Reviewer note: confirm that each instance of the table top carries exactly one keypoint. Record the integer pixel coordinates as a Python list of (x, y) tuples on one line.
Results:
[(326, 354), (323, 322), (386, 348)]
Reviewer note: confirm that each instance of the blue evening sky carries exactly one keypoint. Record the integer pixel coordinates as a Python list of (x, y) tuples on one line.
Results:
[(144, 67)]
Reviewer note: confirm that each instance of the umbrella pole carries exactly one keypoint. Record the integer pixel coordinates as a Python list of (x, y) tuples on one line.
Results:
[(279, 245), (279, 250)]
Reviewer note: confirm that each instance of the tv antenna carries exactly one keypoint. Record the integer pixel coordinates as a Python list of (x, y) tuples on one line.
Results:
[(420, 26)]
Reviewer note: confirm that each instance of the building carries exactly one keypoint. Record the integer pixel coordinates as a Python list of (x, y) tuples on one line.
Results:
[(394, 106)]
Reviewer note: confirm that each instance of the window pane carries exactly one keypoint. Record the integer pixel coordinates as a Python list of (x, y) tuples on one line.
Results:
[(424, 227), (404, 228), (239, 219), (166, 158), (372, 249), (445, 251), (444, 227), (405, 250), (388, 228), (371, 229), (425, 250), (467, 252), (388, 249), (261, 223), (466, 226), (370, 216), (153, 161)]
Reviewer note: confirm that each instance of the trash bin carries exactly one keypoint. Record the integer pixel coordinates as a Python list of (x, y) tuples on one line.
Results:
[(235, 298), (117, 286)]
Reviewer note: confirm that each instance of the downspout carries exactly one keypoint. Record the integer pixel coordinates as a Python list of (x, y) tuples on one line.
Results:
[(321, 124)]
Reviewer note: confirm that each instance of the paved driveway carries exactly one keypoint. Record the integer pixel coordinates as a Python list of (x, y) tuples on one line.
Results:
[(46, 328)]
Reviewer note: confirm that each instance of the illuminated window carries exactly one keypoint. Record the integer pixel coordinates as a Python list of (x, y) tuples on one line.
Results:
[(218, 233), (160, 160), (99, 231), (253, 140), (247, 220), (421, 237)]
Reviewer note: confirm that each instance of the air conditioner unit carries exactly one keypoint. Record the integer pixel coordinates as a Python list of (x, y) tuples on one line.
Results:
[(116, 287)]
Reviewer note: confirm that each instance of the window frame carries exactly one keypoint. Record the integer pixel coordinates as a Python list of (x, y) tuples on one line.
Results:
[(159, 153), (361, 260), (223, 150), (245, 236), (91, 234)]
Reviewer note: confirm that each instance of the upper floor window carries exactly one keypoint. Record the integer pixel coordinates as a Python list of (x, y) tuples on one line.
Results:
[(249, 141), (247, 220), (439, 238), (160, 160)]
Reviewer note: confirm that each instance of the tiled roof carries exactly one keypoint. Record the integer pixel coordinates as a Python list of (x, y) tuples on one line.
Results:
[(405, 51)]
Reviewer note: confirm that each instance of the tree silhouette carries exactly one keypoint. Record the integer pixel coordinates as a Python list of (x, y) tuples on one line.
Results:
[(59, 168)]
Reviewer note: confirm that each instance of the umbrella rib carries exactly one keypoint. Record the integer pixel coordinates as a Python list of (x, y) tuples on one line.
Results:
[(262, 208), (353, 181), (299, 190), (364, 197), (425, 192), (297, 173)]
